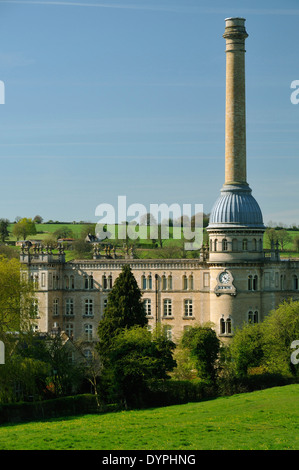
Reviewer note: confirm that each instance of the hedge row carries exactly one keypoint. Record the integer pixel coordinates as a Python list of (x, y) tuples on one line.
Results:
[(158, 393), (56, 408)]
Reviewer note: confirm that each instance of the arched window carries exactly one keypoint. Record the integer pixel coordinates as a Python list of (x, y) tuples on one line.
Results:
[(224, 244), (185, 282), (190, 282), (104, 281), (143, 282), (245, 244), (254, 244), (254, 282), (149, 281), (72, 282), (211, 245), (164, 282), (110, 281), (295, 282), (225, 326), (215, 244), (66, 282), (253, 316), (169, 282), (250, 282)]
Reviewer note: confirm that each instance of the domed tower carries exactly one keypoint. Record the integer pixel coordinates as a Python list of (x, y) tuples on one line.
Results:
[(236, 224)]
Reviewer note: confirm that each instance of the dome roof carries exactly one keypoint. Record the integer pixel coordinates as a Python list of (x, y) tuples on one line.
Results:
[(236, 207)]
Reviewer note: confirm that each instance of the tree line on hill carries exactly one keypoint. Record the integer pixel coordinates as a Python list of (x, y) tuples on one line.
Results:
[(128, 358)]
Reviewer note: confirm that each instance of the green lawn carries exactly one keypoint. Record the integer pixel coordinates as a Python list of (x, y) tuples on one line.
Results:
[(262, 420)]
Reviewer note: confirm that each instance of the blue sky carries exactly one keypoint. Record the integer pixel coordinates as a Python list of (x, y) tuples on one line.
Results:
[(127, 97)]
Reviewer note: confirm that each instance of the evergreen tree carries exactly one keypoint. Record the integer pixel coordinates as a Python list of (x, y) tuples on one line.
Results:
[(124, 310)]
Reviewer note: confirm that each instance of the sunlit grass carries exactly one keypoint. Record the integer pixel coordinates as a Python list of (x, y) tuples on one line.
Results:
[(262, 420)]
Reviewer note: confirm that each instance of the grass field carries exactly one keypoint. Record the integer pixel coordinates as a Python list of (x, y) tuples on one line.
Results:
[(261, 420)]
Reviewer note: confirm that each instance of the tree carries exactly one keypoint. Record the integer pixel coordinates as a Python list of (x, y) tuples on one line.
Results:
[(296, 243), (38, 219), (137, 357), (204, 347), (271, 237), (4, 233), (281, 328), (124, 310), (246, 349), (283, 238), (16, 297), (63, 232), (23, 228)]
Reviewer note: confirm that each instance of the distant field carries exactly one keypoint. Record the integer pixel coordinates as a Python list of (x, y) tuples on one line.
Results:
[(173, 240), (262, 420)]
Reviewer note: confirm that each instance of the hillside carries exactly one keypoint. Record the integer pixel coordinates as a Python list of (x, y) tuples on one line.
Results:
[(261, 420)]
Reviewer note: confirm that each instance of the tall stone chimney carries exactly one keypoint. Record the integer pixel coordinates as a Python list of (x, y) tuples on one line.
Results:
[(236, 223), (235, 115)]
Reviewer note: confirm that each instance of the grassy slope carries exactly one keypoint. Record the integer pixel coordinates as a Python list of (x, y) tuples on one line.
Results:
[(262, 420)]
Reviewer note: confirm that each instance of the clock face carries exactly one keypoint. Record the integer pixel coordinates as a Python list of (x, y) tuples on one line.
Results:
[(224, 278)]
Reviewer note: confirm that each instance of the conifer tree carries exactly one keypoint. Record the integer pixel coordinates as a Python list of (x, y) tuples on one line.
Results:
[(124, 310)]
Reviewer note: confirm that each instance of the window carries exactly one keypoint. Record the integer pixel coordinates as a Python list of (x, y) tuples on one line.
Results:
[(88, 307), (69, 329), (88, 282), (254, 244), (164, 282), (190, 282), (185, 282), (147, 307), (110, 283), (225, 326), (88, 332), (55, 282), (168, 332), (66, 282), (88, 355), (34, 309), (169, 280), (245, 244), (295, 282), (72, 282), (167, 308), (69, 307), (215, 244), (149, 282), (143, 282), (224, 244), (56, 307), (235, 244), (253, 317), (252, 282), (206, 280), (43, 279), (188, 308), (104, 282)]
